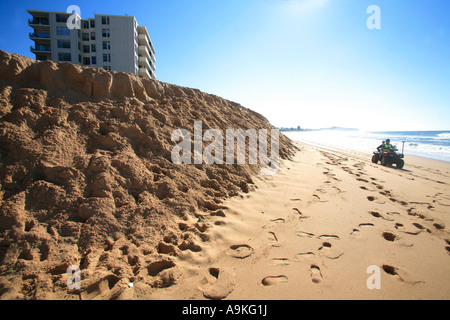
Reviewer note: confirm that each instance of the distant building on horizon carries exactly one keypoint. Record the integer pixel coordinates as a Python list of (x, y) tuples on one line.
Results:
[(111, 42)]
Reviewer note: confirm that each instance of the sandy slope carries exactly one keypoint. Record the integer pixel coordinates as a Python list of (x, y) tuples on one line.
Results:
[(312, 231), (87, 179)]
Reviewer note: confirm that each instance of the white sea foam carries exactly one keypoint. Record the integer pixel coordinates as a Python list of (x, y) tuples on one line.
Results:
[(445, 135)]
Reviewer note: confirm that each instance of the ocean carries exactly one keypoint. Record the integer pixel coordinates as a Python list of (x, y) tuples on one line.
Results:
[(428, 144)]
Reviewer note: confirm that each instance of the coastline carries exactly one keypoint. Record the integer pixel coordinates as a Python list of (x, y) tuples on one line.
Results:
[(364, 154), (414, 145), (315, 230)]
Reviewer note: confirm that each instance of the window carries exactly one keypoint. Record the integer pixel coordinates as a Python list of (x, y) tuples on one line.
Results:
[(85, 36), (86, 49), (94, 60), (64, 44), (106, 45), (105, 20), (86, 61), (85, 24), (93, 48), (107, 68), (41, 47), (106, 57), (62, 32), (41, 58), (62, 17), (92, 22), (105, 33), (92, 35), (62, 56)]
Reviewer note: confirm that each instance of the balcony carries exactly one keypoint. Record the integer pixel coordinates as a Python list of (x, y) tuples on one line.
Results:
[(39, 36), (40, 49), (144, 62), (143, 52), (143, 40), (43, 57), (143, 73), (38, 22)]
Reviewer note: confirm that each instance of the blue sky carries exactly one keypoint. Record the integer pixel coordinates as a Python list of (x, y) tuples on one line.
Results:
[(312, 63)]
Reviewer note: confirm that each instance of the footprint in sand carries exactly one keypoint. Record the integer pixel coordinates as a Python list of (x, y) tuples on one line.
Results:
[(272, 237), (418, 229), (403, 203), (330, 251), (274, 280), (366, 224), (318, 199), (399, 226), (439, 226), (372, 198), (280, 262), (328, 237), (378, 215), (389, 236), (356, 232), (378, 186), (301, 215), (304, 234), (303, 256), (240, 251), (316, 275), (394, 272), (217, 284)]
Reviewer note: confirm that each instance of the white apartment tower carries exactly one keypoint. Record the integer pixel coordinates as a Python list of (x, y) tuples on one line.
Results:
[(107, 41)]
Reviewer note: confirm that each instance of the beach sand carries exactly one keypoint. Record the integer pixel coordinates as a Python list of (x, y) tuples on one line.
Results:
[(87, 184), (327, 224)]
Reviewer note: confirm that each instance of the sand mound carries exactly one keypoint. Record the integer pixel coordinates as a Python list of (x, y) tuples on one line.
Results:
[(87, 178)]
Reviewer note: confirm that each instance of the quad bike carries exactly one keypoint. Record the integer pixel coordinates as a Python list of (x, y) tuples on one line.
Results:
[(388, 158)]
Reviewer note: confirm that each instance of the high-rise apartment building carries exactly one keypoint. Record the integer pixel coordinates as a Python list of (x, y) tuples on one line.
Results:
[(107, 41)]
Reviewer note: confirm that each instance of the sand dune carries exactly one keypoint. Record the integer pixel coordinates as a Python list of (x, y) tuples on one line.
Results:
[(87, 179)]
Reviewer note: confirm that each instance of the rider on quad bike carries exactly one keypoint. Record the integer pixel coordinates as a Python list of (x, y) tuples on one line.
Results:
[(381, 146), (377, 155), (388, 155), (388, 146)]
